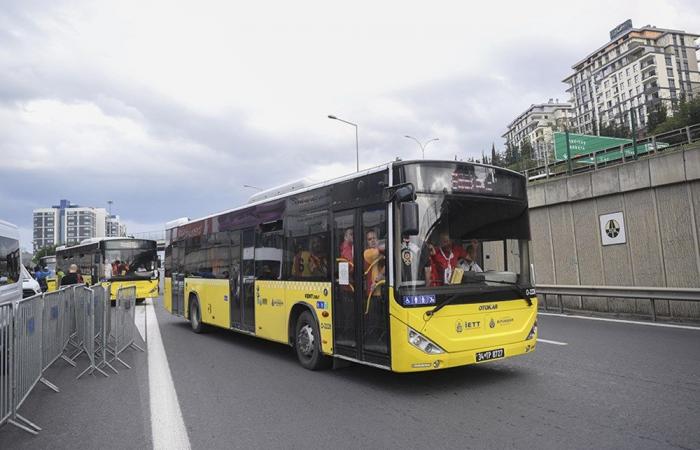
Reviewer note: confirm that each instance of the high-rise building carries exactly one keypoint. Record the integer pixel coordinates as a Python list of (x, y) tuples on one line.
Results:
[(67, 224), (631, 75), (537, 125), (113, 227)]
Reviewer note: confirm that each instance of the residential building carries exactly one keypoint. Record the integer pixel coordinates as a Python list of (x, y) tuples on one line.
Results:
[(637, 70), (67, 224), (113, 227), (537, 125)]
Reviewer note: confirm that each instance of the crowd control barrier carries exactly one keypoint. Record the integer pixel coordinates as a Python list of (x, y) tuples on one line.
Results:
[(124, 332), (6, 333), (28, 356), (36, 332)]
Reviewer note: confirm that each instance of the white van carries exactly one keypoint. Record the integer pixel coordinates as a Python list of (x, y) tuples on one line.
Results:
[(10, 272), (29, 285)]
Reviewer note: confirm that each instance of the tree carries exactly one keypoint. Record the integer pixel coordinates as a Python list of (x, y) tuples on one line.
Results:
[(495, 156), (688, 113), (656, 116), (612, 129), (526, 153), (49, 250)]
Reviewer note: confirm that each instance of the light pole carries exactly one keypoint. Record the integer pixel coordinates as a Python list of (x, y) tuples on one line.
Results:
[(252, 187), (357, 145), (423, 145)]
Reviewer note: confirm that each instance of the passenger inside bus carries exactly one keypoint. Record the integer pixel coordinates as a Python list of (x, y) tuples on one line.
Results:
[(443, 259), (374, 262), (469, 264), (309, 258)]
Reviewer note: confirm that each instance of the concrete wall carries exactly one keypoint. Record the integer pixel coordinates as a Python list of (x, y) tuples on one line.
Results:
[(660, 200)]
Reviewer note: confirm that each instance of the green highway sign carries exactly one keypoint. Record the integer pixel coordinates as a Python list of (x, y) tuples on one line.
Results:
[(581, 144)]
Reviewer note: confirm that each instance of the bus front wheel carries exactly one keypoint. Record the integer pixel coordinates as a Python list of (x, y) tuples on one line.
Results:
[(307, 342)]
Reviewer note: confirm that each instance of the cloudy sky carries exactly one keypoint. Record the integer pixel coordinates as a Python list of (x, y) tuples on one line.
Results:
[(168, 109)]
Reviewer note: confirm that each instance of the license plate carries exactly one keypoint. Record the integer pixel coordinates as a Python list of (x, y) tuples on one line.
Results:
[(490, 354)]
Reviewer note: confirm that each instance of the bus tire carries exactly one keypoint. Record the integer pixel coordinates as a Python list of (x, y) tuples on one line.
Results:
[(307, 343), (196, 316)]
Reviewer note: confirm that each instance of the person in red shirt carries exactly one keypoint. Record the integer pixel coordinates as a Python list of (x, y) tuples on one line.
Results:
[(444, 259), (346, 249)]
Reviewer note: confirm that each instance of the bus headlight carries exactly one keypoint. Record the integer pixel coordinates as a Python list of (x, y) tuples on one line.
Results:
[(533, 332), (422, 343)]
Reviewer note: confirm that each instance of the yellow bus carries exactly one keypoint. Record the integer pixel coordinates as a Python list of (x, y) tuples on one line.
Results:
[(410, 266), (49, 263), (118, 260)]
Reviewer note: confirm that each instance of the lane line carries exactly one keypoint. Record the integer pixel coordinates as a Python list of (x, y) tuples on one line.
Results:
[(551, 342), (167, 427), (140, 318), (604, 319)]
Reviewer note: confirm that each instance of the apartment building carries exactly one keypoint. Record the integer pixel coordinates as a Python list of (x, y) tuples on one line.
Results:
[(537, 125), (637, 70), (113, 226), (68, 224)]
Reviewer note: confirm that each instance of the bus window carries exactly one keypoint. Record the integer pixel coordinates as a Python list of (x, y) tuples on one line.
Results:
[(9, 260)]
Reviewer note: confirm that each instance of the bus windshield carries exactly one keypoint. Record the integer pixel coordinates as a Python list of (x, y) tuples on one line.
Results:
[(129, 259), (473, 236), (49, 262)]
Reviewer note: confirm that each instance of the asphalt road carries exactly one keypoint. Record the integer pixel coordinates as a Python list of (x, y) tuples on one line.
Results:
[(614, 385)]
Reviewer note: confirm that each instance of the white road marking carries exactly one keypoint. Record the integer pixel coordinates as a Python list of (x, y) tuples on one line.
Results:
[(551, 342), (603, 319), (167, 427), (140, 318)]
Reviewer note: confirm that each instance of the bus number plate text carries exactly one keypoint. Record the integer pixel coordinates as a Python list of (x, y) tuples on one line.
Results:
[(490, 354)]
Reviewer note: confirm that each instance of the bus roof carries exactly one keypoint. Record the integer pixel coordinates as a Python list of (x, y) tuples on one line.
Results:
[(97, 240), (386, 166), (9, 230)]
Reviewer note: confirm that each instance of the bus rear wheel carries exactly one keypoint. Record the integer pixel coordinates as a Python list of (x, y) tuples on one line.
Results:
[(307, 342), (195, 317)]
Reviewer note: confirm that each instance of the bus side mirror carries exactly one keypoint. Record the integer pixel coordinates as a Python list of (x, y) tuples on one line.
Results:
[(409, 219)]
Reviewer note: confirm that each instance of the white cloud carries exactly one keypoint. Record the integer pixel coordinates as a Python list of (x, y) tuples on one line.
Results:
[(170, 107)]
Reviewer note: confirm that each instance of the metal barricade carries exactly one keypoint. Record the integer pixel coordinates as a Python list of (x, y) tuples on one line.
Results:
[(53, 311), (27, 356), (72, 348), (103, 298), (92, 309), (81, 297), (124, 332), (6, 346)]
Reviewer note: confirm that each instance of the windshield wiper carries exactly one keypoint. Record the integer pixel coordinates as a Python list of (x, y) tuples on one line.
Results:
[(442, 305), (518, 288)]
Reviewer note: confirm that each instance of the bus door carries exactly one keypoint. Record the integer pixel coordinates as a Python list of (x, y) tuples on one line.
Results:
[(360, 308), (178, 293), (245, 310), (177, 283)]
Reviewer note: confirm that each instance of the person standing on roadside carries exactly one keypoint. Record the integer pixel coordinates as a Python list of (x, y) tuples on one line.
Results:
[(72, 277)]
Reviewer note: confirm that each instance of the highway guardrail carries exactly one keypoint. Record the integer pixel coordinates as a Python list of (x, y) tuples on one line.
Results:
[(631, 292)]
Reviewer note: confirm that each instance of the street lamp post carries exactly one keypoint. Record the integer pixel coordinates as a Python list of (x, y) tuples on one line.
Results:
[(357, 145), (423, 145)]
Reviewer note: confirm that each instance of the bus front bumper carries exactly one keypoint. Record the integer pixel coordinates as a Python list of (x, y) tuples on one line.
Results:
[(410, 359)]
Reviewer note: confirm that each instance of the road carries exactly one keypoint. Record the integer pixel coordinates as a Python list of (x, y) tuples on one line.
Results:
[(596, 384)]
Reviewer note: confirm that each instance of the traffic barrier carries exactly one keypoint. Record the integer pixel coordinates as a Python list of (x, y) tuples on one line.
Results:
[(70, 328), (124, 333), (91, 304), (27, 353), (81, 299), (37, 331), (6, 333), (103, 314), (51, 332)]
